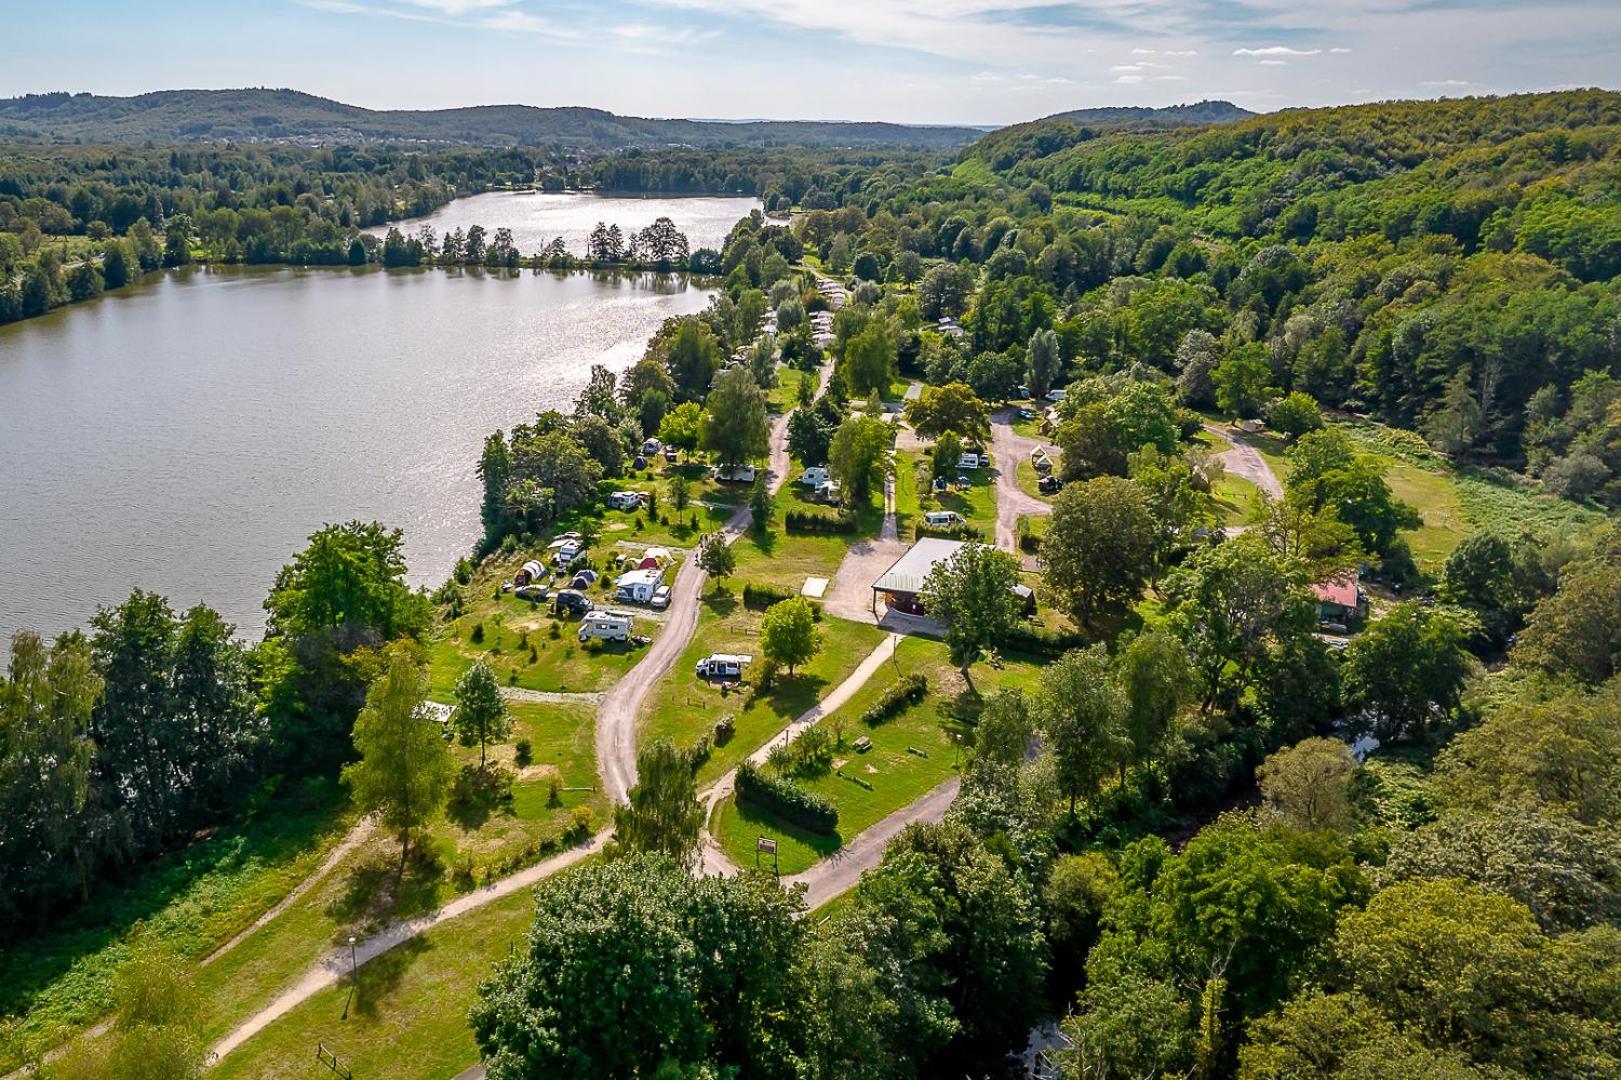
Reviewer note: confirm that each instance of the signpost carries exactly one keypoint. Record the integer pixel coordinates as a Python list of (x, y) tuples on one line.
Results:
[(766, 844)]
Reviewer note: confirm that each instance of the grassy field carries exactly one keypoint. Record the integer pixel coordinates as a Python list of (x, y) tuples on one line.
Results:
[(976, 502), (683, 708), (1236, 499), (911, 754), (194, 901), (784, 559), (1028, 479), (784, 397)]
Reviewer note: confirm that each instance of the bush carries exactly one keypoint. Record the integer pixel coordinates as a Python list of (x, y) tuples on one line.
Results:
[(579, 825), (1039, 641), (909, 691), (725, 728), (952, 532), (477, 637), (785, 799), (821, 521), (1029, 542), (522, 753)]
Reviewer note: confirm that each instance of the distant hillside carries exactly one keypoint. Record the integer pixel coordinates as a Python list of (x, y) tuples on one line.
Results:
[(292, 116), (1142, 118)]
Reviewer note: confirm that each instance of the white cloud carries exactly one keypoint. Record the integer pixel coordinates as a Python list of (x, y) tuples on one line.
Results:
[(460, 7), (1446, 82), (1276, 50), (1339, 50)]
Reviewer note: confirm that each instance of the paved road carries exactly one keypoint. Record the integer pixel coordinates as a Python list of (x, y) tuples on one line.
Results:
[(1008, 448), (1242, 459), (840, 871)]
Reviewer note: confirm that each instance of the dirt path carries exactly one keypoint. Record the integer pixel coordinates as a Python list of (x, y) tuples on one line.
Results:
[(849, 596), (840, 871), (1243, 459), (550, 697), (715, 860), (337, 964), (1008, 448)]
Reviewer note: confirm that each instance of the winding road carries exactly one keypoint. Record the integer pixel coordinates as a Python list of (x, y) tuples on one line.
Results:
[(1243, 459), (1008, 448)]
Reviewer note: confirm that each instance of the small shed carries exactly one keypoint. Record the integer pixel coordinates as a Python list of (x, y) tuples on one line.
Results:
[(1341, 599)]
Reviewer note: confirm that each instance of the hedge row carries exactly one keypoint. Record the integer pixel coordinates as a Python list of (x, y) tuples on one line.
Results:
[(909, 691), (1040, 641), (785, 799), (760, 597), (821, 521), (953, 532)]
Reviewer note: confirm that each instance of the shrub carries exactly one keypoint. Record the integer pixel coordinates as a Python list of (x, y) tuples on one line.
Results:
[(1039, 641), (725, 728), (1029, 542), (579, 825), (951, 532), (908, 691), (821, 521), (760, 597), (477, 636), (522, 753), (786, 799)]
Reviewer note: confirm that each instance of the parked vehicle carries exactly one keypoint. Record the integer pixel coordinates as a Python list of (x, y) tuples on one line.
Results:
[(722, 666), (1050, 484), (627, 500), (571, 602), (670, 454), (637, 586), (814, 477), (534, 593), (562, 540), (734, 474), (943, 519), (651, 446), (1057, 395), (661, 598), (829, 493), (606, 626), (1027, 414), (970, 460), (566, 556)]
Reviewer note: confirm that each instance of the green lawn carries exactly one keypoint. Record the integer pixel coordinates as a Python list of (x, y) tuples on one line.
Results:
[(1237, 498), (195, 900), (683, 708), (898, 776), (1028, 479), (784, 397), (908, 482), (976, 503), (784, 559)]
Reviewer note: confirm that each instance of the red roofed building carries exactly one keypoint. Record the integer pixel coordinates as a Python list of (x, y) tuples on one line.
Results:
[(1340, 599)]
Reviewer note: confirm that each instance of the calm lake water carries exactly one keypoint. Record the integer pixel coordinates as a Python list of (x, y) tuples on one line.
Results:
[(535, 218), (187, 435)]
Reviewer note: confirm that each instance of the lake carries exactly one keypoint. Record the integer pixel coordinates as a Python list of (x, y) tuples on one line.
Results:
[(536, 217), (186, 435)]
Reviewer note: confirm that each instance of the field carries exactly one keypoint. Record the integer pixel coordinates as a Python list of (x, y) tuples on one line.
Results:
[(911, 754), (684, 708), (784, 559)]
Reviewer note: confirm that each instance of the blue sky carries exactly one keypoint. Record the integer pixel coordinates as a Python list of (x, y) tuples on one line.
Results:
[(928, 61)]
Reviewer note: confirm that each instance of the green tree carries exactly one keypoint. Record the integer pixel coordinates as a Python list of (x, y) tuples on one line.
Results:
[(954, 408), (859, 457), (788, 633), (1243, 381), (972, 594), (716, 557), (1153, 673), (480, 716), (681, 427), (1294, 414), (762, 507), (869, 358), (1042, 363), (693, 360), (1082, 715), (495, 470), (1195, 365), (735, 426), (662, 815), (404, 771), (1099, 549), (1576, 632), (1405, 669), (1457, 421), (1309, 783), (349, 581)]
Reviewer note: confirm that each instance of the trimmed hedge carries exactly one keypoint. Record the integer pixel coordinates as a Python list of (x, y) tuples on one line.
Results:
[(760, 597), (1040, 641), (785, 799), (821, 521), (954, 532), (909, 691)]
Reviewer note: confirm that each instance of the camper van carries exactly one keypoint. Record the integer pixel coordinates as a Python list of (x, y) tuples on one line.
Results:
[(605, 626), (971, 459), (722, 666), (734, 474), (627, 500), (943, 519), (814, 477)]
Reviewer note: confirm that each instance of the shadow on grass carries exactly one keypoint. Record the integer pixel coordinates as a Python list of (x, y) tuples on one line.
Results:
[(791, 695), (754, 818), (721, 604), (478, 794), (376, 891), (383, 975)]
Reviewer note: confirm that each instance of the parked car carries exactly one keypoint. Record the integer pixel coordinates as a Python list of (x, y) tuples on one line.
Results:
[(661, 598), (571, 602), (534, 593), (1027, 414), (1057, 395), (1050, 484), (722, 666), (828, 492), (943, 519)]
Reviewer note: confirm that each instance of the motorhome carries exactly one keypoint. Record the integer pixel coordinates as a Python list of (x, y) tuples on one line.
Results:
[(606, 626), (627, 500), (815, 476), (971, 459), (637, 587), (943, 519)]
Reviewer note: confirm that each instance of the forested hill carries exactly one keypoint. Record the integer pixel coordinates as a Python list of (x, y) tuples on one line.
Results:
[(288, 115), (1140, 117)]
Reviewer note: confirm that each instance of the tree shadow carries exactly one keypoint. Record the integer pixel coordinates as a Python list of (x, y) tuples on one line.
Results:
[(381, 976), (722, 604), (477, 794), (376, 891)]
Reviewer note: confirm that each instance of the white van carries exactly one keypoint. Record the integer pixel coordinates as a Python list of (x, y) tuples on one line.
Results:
[(722, 666), (638, 586), (605, 625), (735, 474), (970, 460), (627, 500), (943, 519), (813, 477)]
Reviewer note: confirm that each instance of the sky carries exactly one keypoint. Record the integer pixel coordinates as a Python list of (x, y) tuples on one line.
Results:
[(914, 61)]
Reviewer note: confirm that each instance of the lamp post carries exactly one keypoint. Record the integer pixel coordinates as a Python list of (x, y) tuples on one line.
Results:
[(354, 976)]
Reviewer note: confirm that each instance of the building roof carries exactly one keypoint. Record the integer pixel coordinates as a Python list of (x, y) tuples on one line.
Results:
[(907, 575), (639, 577), (1342, 591)]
